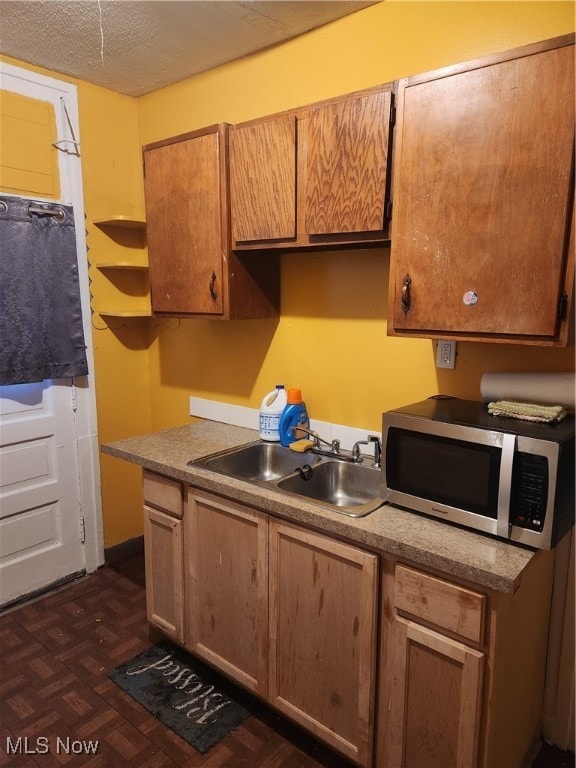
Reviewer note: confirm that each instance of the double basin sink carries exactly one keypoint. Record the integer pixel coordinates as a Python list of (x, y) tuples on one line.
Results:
[(351, 488)]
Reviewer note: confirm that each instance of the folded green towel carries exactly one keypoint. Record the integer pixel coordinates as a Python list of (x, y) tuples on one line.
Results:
[(527, 411)]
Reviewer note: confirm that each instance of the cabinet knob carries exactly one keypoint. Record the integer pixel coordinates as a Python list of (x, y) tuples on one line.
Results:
[(406, 293), (212, 283)]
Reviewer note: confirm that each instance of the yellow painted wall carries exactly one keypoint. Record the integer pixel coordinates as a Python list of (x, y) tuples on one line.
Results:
[(112, 177), (331, 338)]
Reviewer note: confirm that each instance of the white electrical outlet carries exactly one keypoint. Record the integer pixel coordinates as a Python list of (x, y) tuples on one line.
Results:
[(446, 354)]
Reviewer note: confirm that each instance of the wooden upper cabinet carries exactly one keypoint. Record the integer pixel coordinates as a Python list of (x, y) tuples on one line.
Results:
[(185, 224), (346, 164), (483, 199), (192, 273), (263, 180), (317, 175)]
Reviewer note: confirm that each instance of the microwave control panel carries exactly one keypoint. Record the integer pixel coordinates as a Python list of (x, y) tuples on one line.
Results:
[(529, 491)]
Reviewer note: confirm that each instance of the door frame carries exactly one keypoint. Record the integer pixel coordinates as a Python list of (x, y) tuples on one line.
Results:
[(63, 96)]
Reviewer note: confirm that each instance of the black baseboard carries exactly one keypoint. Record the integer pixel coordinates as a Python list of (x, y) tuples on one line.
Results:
[(123, 550)]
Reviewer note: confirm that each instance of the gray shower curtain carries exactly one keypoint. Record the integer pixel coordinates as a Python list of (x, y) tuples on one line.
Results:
[(41, 335)]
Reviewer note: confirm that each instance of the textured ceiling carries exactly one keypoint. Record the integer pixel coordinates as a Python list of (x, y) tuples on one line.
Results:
[(138, 46)]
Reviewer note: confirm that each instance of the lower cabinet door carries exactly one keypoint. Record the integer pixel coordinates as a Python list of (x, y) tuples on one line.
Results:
[(227, 616), (438, 699), (322, 637), (164, 572)]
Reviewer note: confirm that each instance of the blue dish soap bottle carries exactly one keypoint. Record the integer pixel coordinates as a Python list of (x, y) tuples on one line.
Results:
[(293, 416)]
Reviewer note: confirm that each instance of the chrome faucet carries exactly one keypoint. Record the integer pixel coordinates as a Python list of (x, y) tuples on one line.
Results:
[(377, 450), (316, 439), (357, 454)]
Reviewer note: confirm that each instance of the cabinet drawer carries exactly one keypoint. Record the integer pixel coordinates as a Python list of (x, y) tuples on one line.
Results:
[(162, 493), (452, 607)]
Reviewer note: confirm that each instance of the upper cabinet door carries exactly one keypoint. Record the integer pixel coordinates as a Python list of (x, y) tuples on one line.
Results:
[(263, 180), (347, 162), (185, 223), (483, 199)]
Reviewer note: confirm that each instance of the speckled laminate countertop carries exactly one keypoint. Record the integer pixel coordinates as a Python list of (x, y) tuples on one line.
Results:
[(488, 562)]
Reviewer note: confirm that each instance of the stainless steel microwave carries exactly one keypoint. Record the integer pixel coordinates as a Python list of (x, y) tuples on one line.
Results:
[(451, 459)]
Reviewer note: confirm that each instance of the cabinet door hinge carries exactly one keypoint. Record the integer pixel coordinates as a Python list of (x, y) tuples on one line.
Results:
[(388, 210), (562, 306), (144, 167), (392, 114), (82, 531)]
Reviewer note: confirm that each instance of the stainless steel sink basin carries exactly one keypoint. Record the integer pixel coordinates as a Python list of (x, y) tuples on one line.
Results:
[(259, 462), (352, 489)]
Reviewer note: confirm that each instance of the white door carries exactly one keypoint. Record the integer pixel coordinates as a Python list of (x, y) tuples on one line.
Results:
[(50, 517), (41, 537)]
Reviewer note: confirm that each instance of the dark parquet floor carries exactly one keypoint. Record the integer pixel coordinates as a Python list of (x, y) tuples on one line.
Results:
[(55, 696), (58, 708)]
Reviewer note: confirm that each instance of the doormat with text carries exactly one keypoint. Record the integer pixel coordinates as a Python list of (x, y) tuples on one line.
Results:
[(182, 693)]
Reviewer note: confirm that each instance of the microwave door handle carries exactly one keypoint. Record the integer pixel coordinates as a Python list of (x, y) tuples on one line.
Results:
[(505, 486)]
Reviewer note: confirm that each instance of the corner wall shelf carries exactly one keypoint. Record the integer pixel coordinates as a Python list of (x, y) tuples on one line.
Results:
[(128, 313), (120, 265), (127, 222), (127, 235)]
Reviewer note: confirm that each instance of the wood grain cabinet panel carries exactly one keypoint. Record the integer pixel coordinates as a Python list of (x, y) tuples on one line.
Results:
[(227, 599), (183, 188), (163, 549), (263, 180), (322, 637), (347, 163), (483, 199), (442, 699), (162, 493), (449, 606)]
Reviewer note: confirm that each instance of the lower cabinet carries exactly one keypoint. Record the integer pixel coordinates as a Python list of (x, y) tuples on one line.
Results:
[(435, 680), (441, 698), (391, 666), (163, 550), (461, 674), (287, 613), (322, 663), (227, 595)]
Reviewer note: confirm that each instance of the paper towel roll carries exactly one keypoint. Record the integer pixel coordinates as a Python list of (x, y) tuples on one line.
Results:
[(541, 388)]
